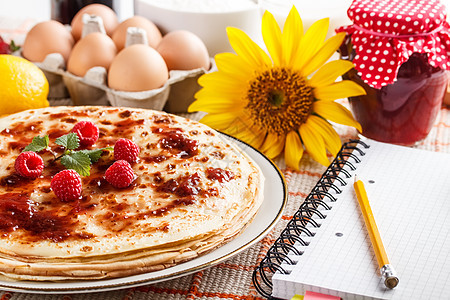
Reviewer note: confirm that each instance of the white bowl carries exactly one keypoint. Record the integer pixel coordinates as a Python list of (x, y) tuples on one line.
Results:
[(207, 21)]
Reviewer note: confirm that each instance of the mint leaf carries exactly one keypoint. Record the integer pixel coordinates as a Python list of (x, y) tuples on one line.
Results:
[(70, 141), (95, 154), (77, 161), (37, 144)]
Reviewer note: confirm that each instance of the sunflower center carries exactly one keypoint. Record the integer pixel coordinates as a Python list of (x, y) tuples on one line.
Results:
[(279, 100), (276, 98)]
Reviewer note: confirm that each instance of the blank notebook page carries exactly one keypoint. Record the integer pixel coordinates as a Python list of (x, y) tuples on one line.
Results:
[(409, 192)]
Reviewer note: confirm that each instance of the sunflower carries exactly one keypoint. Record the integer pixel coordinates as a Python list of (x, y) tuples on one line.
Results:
[(273, 102)]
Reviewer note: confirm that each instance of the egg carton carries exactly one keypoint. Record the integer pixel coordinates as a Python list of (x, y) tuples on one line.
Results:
[(174, 97)]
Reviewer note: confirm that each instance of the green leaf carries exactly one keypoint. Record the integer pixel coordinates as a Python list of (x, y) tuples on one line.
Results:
[(95, 154), (13, 47), (77, 161), (37, 144), (69, 141)]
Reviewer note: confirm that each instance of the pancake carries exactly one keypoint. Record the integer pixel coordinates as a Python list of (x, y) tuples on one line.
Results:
[(194, 190)]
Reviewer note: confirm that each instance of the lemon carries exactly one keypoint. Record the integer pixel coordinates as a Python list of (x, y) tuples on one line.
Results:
[(22, 85)]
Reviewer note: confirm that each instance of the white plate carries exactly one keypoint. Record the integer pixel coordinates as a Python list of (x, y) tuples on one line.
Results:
[(275, 198)]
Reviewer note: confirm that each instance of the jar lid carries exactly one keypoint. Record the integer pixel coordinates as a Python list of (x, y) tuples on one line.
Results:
[(385, 33)]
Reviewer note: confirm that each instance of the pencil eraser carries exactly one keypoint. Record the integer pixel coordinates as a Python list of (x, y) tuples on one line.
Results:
[(318, 296)]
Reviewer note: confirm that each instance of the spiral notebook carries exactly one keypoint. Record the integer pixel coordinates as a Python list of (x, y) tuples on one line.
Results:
[(325, 248)]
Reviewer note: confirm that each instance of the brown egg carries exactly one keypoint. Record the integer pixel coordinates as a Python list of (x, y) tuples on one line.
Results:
[(183, 50), (45, 38), (94, 50), (137, 68), (108, 16), (153, 34)]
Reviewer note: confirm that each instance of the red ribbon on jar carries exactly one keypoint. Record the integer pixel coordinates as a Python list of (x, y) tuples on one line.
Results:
[(385, 34)]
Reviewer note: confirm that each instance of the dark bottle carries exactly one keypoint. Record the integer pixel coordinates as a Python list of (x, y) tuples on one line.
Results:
[(64, 10)]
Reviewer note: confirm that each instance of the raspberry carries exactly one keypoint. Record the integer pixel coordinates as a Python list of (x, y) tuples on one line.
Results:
[(120, 174), (28, 164), (66, 185), (87, 132), (125, 149)]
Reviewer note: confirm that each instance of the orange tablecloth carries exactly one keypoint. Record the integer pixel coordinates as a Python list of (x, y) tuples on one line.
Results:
[(232, 278)]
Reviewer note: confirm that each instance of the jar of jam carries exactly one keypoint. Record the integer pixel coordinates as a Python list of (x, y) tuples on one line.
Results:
[(400, 50)]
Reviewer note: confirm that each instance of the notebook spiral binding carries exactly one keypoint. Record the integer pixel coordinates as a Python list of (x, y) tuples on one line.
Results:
[(306, 214)]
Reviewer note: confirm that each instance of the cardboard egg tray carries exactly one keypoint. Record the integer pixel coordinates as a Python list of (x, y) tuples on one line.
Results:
[(174, 97)]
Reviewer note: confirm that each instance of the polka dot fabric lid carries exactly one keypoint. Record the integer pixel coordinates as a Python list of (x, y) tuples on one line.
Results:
[(385, 33)]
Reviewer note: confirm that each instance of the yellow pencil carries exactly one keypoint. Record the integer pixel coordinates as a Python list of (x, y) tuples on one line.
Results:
[(387, 271)]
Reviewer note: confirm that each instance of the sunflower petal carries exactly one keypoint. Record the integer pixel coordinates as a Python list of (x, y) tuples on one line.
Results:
[(338, 90), (220, 121), (231, 64), (336, 113), (293, 150), (314, 143), (247, 49), (251, 138), (330, 136), (323, 54), (244, 130), (292, 34), (329, 72), (216, 104), (272, 37), (221, 80), (311, 43), (219, 95), (273, 145)]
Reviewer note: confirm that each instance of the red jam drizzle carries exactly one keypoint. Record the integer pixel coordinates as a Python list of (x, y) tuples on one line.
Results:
[(179, 143), (219, 174), (17, 212), (56, 133), (129, 123), (50, 220), (125, 114), (14, 180), (183, 186), (77, 113), (176, 142), (155, 158), (58, 115), (174, 204), (162, 119), (19, 128), (218, 155), (19, 146), (125, 128), (69, 120)]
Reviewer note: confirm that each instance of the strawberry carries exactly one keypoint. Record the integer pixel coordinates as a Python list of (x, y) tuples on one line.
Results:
[(29, 165), (4, 47), (120, 174), (67, 185), (125, 149)]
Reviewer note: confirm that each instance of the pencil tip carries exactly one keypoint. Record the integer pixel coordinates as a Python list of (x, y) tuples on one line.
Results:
[(356, 178)]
